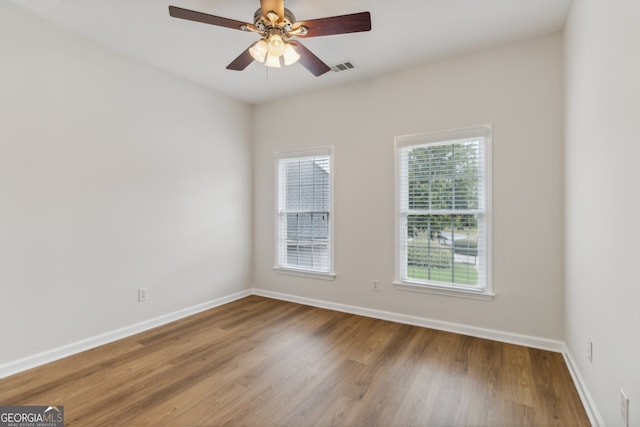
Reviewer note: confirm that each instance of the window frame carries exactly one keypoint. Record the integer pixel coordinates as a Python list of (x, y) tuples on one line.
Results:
[(442, 138), (330, 274)]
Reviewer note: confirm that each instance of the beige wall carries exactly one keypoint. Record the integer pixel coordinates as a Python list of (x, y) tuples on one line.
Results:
[(603, 151), (518, 88), (113, 176)]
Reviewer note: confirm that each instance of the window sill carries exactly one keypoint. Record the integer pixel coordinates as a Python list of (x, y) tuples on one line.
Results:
[(482, 295), (305, 273)]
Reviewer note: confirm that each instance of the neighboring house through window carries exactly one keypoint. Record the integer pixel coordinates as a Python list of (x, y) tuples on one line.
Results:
[(443, 223), (304, 213)]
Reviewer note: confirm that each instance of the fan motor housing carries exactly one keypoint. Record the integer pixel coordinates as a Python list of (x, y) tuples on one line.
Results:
[(264, 24)]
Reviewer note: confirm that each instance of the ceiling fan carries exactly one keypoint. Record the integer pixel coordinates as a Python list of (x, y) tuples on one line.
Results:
[(276, 25)]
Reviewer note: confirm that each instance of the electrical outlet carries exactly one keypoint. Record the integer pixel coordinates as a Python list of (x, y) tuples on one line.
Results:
[(376, 285), (624, 408), (143, 294), (589, 350)]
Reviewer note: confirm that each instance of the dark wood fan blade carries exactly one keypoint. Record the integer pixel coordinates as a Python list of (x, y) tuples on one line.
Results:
[(352, 23), (242, 61), (191, 15), (309, 61), (276, 6)]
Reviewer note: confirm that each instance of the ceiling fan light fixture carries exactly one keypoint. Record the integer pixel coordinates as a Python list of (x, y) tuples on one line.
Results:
[(272, 61), (290, 55), (259, 51), (277, 45), (276, 25)]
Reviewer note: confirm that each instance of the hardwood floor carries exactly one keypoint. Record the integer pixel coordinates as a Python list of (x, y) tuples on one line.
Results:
[(262, 362)]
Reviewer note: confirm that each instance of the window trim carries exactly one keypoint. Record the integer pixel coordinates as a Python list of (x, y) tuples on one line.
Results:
[(444, 136), (326, 150)]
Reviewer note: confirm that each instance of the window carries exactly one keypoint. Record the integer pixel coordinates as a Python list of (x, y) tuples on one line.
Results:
[(304, 216), (443, 223)]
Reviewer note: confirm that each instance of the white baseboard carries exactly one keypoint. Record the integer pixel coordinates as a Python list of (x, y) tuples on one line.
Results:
[(587, 401), (83, 345), (458, 328)]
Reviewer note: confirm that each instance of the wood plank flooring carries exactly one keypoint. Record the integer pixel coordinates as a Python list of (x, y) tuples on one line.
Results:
[(263, 362)]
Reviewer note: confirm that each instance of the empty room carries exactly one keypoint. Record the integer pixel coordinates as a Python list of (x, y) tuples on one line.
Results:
[(305, 213)]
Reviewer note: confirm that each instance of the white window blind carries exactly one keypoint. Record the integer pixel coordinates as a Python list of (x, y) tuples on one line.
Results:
[(304, 212), (442, 206)]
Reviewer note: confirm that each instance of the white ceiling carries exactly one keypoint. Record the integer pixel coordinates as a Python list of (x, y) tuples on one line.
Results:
[(404, 32)]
